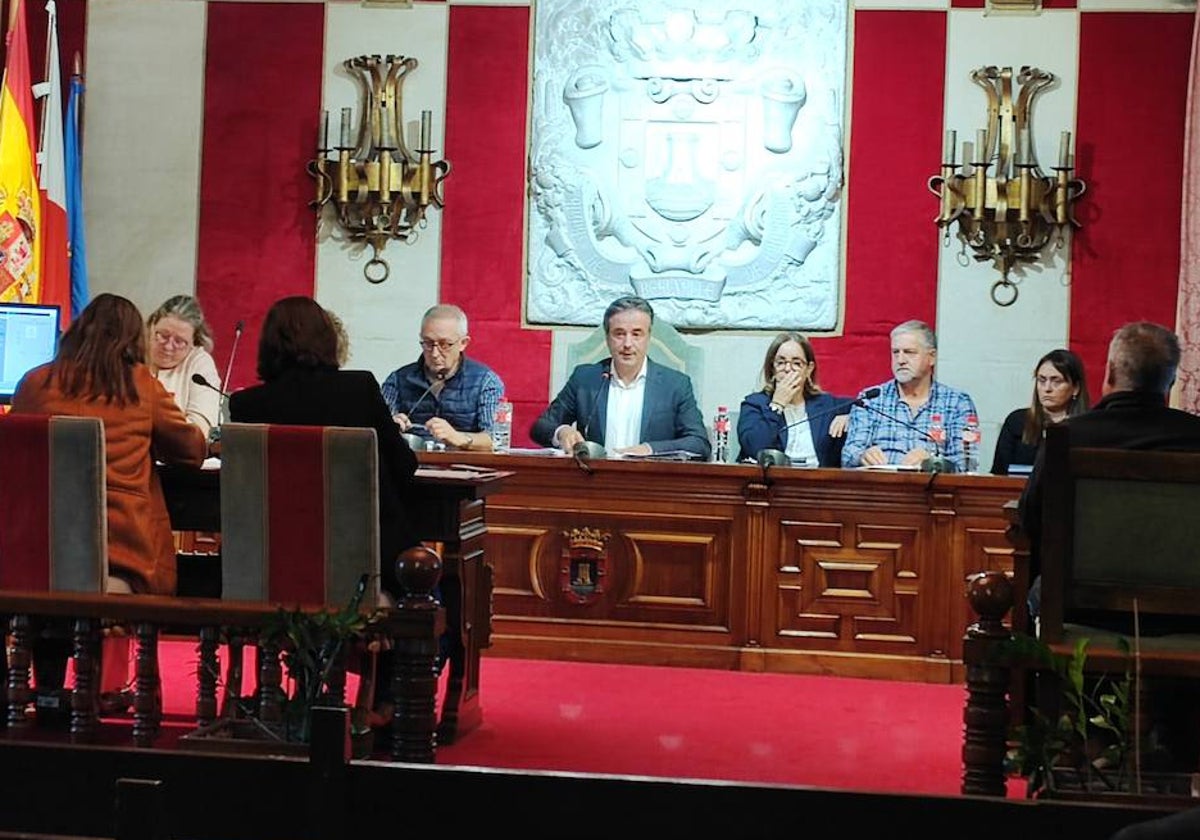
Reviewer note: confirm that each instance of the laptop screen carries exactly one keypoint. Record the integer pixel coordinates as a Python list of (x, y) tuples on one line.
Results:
[(28, 338)]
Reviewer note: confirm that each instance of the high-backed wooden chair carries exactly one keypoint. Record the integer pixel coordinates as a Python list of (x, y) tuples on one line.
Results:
[(1119, 526), (299, 526), (53, 537)]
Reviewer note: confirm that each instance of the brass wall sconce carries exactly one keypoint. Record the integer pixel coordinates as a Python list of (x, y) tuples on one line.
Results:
[(379, 187), (1006, 207)]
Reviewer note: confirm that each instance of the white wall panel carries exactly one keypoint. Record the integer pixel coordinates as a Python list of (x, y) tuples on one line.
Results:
[(145, 89), (386, 316), (986, 349)]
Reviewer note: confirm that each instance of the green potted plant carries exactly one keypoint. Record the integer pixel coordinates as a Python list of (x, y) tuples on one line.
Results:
[(1089, 740), (1089, 747), (313, 645)]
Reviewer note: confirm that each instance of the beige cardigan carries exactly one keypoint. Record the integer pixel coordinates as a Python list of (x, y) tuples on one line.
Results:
[(201, 405)]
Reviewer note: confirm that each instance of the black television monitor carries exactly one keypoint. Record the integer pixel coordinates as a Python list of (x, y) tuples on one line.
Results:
[(28, 338)]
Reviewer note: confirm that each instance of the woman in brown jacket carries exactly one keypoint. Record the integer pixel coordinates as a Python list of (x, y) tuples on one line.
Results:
[(100, 371)]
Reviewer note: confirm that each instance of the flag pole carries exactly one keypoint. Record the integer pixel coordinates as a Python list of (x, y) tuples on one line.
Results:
[(77, 70), (51, 24)]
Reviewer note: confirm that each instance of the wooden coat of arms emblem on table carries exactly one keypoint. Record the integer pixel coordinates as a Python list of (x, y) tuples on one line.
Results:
[(584, 564)]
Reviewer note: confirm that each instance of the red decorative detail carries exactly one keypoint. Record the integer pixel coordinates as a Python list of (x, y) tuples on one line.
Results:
[(295, 468), (896, 232), (1119, 276), (25, 502), (254, 152), (483, 224)]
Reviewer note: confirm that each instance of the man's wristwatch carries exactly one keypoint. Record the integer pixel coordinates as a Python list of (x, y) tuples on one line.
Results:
[(776, 407)]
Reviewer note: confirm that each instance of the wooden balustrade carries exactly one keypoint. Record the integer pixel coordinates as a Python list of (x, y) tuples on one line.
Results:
[(409, 634)]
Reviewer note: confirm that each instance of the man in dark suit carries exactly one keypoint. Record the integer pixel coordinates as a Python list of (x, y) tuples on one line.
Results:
[(1132, 414), (627, 403)]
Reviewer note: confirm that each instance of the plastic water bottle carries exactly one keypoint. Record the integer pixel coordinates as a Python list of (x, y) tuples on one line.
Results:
[(720, 451), (972, 438), (502, 426), (937, 432)]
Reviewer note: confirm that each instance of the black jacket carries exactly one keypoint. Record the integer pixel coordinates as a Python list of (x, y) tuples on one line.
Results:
[(324, 397)]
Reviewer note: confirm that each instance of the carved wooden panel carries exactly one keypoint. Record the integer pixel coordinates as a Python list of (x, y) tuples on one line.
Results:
[(658, 569), (723, 566), (849, 583)]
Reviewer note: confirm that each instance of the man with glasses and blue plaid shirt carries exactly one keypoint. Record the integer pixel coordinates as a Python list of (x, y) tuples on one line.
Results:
[(895, 428), (444, 394)]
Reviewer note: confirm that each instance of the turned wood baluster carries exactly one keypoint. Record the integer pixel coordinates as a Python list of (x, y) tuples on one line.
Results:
[(986, 713), (20, 658), (85, 639), (147, 692), (336, 684), (270, 681), (206, 679), (232, 703), (414, 683)]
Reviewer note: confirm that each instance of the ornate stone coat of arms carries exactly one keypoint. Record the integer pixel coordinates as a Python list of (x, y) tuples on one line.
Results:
[(691, 155)]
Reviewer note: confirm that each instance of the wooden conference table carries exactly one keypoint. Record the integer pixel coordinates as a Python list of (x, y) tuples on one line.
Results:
[(848, 572), (451, 512)]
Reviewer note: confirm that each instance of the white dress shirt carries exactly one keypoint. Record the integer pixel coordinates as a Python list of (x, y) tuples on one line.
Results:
[(623, 419), (800, 439)]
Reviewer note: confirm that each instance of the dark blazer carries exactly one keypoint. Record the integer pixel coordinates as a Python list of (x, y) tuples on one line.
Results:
[(324, 397), (1010, 449), (761, 428), (670, 418), (1121, 420)]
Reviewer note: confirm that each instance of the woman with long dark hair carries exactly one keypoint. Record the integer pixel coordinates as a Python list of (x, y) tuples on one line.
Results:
[(1059, 391), (100, 371), (302, 386)]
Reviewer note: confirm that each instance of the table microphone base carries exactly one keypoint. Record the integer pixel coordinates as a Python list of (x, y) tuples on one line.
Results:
[(588, 449), (772, 458), (938, 464)]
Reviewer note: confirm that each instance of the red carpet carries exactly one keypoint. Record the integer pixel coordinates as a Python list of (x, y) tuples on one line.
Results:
[(694, 723), (697, 723)]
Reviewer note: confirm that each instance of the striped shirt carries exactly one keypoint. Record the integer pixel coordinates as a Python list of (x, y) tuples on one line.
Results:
[(871, 428)]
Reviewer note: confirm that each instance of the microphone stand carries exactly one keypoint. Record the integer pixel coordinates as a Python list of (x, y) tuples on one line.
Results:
[(214, 434), (585, 450), (237, 335), (768, 457), (935, 463), (437, 377)]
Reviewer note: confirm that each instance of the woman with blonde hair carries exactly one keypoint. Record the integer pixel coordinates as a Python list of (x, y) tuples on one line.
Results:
[(180, 346)]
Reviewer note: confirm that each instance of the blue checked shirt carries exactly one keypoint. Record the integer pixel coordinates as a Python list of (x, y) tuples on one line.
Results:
[(870, 428), (467, 400)]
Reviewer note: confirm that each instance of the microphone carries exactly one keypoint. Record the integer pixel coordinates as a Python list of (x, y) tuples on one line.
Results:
[(935, 463), (437, 377), (777, 458), (199, 379), (586, 449), (214, 434), (869, 394), (237, 335)]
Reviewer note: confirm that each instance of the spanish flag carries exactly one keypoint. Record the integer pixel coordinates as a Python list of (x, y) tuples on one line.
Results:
[(20, 210)]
